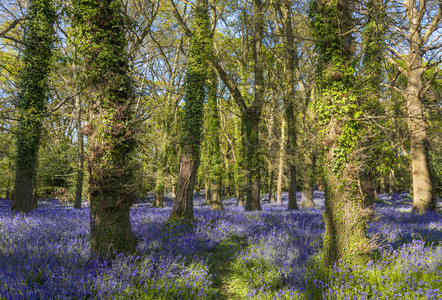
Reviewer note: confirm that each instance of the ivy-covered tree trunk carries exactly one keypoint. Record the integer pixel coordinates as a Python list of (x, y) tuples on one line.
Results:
[(251, 116), (31, 100), (196, 77), (213, 127), (345, 216), (99, 28)]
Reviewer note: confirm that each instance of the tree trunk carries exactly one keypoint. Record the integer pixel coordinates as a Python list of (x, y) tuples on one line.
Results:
[(270, 151), (213, 146), (207, 192), (215, 200), (291, 62), (23, 191), (368, 189), (382, 185), (110, 126), (252, 160), (345, 217), (282, 153), (391, 183), (158, 200), (271, 185), (240, 197), (308, 180), (239, 162), (80, 154), (253, 114), (183, 204), (32, 96), (196, 77), (423, 199)]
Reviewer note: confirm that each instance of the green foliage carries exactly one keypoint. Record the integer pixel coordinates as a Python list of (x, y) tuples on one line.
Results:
[(56, 168), (7, 166)]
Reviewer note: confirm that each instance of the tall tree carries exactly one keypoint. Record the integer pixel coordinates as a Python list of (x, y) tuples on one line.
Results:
[(99, 29), (345, 217), (252, 114), (421, 36), (291, 64), (31, 100), (214, 151), (196, 78), (80, 148), (373, 46)]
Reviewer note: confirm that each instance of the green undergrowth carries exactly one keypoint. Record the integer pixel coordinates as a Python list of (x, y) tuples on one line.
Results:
[(411, 272)]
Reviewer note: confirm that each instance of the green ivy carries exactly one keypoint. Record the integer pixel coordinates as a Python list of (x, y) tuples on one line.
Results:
[(196, 76), (33, 87)]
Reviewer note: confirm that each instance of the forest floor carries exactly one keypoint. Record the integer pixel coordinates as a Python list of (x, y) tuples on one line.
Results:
[(229, 254)]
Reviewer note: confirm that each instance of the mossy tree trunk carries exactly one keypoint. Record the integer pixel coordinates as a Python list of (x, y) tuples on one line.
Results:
[(31, 101), (196, 77), (214, 150), (99, 28), (345, 216)]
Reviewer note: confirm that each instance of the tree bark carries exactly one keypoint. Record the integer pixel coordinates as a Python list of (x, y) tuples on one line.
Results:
[(213, 145), (270, 138), (183, 204), (282, 158), (80, 154), (158, 200), (391, 183), (215, 199), (423, 199), (308, 180), (252, 160), (23, 191)]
